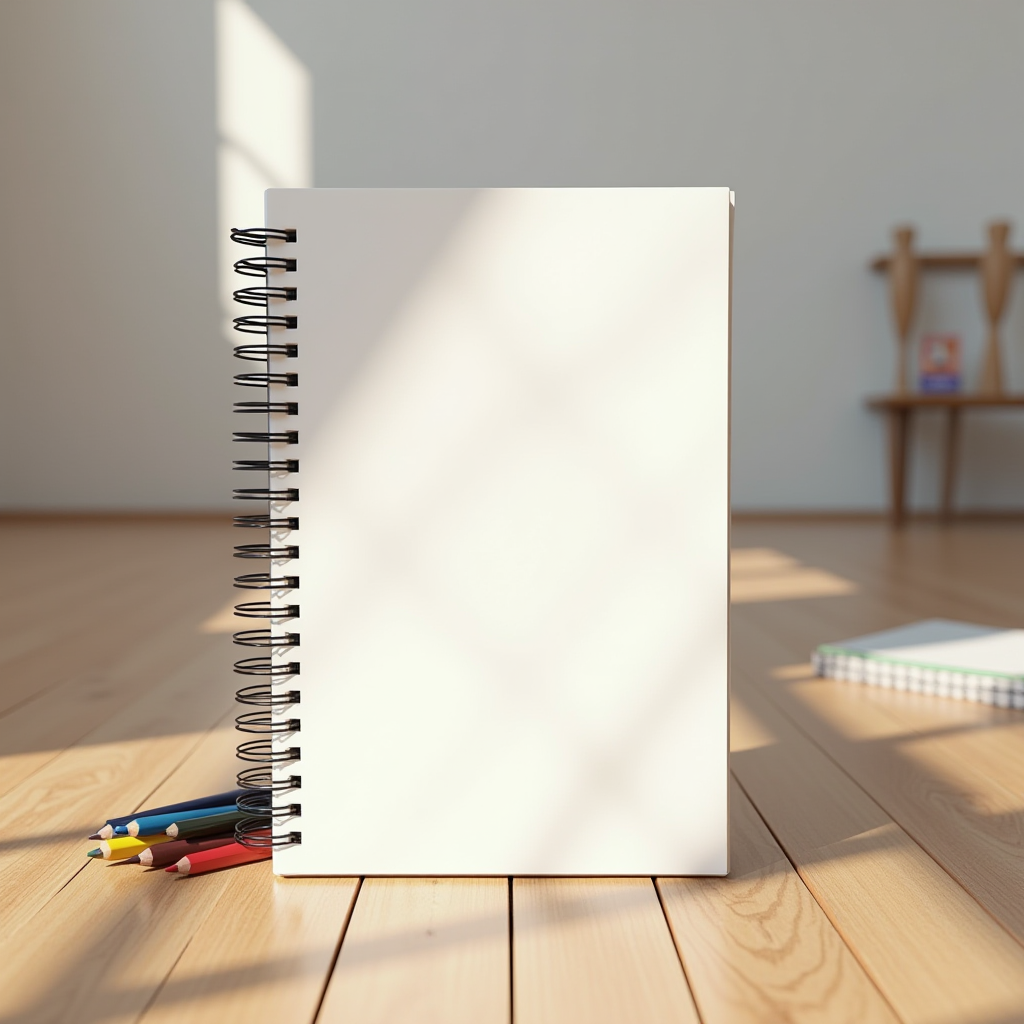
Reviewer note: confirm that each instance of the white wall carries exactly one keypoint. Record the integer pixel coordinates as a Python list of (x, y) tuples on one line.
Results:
[(832, 121)]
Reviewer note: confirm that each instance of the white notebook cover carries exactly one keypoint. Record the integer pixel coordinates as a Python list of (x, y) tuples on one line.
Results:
[(940, 645), (513, 529)]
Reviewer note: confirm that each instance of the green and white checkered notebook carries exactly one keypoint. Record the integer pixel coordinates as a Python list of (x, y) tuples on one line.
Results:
[(936, 656)]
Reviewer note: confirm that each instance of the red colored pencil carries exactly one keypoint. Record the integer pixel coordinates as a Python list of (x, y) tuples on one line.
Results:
[(222, 857)]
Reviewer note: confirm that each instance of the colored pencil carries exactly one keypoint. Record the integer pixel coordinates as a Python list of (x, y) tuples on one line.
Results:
[(156, 824), (162, 854), (216, 800), (213, 860), (207, 826), (124, 846)]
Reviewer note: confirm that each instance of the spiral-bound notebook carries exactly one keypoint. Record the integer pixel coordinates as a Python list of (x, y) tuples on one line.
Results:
[(495, 558), (936, 656)]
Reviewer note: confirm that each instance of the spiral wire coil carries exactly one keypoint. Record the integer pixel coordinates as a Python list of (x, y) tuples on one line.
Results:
[(272, 719)]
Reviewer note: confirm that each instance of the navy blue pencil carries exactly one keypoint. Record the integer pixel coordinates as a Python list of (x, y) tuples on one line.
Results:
[(216, 800)]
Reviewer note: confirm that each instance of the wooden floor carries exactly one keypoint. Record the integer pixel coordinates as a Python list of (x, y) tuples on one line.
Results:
[(877, 836)]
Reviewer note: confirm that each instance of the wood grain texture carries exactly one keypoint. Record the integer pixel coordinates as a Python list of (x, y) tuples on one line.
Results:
[(426, 951), (102, 946), (262, 953), (99, 949), (117, 574), (129, 703), (757, 947), (115, 766), (957, 792), (893, 904), (34, 733), (594, 950)]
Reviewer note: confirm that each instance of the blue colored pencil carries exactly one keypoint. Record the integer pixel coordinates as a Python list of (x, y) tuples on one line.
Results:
[(156, 824), (217, 800)]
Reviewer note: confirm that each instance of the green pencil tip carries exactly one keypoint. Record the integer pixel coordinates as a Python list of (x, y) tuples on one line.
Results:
[(95, 853)]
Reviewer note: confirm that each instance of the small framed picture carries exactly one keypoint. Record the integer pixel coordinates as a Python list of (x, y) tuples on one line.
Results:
[(940, 364)]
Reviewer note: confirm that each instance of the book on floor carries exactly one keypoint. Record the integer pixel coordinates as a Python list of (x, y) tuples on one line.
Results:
[(936, 656), (490, 626)]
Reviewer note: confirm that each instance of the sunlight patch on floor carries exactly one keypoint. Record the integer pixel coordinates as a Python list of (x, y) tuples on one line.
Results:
[(764, 574)]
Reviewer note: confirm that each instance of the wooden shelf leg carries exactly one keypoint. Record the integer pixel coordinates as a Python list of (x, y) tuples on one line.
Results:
[(952, 456), (899, 429)]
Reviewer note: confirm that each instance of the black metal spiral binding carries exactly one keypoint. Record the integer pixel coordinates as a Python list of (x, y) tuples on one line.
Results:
[(262, 380), (264, 638), (261, 353), (267, 436), (265, 667), (265, 493), (266, 610), (266, 522), (262, 778), (262, 296), (273, 721), (261, 324), (261, 695), (266, 551), (264, 581), (260, 266), (260, 236), (269, 465), (258, 408)]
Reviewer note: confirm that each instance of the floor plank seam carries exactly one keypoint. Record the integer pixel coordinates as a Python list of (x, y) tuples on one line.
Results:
[(70, 879), (679, 952), (511, 957), (191, 751), (195, 746), (766, 692), (814, 896), (329, 973), (163, 982)]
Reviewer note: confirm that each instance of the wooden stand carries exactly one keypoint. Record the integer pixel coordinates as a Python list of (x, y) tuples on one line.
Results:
[(900, 410), (996, 266), (996, 279), (903, 291)]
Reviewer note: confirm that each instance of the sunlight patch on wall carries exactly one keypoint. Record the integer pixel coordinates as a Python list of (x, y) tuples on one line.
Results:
[(763, 574), (265, 129)]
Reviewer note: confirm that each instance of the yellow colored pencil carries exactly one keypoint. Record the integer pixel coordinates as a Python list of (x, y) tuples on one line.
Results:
[(125, 846)]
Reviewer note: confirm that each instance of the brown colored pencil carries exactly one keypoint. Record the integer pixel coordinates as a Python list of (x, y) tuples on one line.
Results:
[(169, 853)]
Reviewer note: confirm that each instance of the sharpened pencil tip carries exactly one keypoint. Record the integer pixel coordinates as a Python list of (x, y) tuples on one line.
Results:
[(173, 867), (95, 835), (95, 853)]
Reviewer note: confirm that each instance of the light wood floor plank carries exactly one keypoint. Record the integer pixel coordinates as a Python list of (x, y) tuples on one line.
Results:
[(132, 588), (36, 732), (205, 947), (424, 951), (263, 953), (594, 951), (896, 908), (57, 970), (115, 767), (757, 947), (964, 807)]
